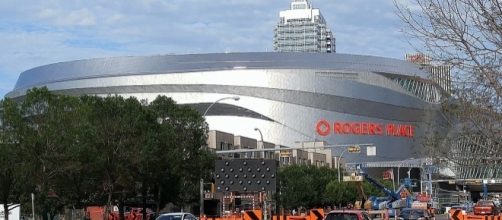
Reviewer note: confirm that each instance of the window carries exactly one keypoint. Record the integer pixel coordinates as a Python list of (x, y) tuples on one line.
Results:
[(170, 217), (285, 160), (191, 217), (341, 216), (299, 6)]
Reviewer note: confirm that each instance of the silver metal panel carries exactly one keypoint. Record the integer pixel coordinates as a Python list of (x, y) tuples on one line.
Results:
[(314, 100), (282, 94), (387, 91), (120, 66)]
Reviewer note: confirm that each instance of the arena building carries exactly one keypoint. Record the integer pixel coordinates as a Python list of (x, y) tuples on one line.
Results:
[(289, 97)]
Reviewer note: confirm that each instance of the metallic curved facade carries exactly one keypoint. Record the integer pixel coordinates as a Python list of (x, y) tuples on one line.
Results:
[(283, 94)]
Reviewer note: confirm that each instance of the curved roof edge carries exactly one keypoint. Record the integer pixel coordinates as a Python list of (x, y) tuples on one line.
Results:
[(133, 65)]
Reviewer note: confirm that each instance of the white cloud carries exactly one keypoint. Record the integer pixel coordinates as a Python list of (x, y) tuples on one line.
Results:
[(80, 17), (47, 13), (115, 18)]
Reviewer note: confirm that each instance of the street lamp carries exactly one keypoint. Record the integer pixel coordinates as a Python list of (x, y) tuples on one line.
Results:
[(261, 137), (338, 162), (236, 98), (262, 147)]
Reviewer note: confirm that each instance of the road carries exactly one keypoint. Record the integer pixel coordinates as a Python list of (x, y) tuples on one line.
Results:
[(442, 217)]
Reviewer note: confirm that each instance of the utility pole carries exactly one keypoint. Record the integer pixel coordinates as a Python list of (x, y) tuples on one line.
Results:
[(33, 205), (201, 197)]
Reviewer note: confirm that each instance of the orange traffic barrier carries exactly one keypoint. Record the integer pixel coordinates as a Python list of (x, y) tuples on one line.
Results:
[(279, 217), (456, 214), (475, 217), (94, 212), (482, 217), (229, 217), (253, 215), (297, 218), (316, 214)]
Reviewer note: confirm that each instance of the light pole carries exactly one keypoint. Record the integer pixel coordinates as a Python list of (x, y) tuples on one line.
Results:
[(201, 210), (261, 137), (236, 98), (338, 162), (264, 200), (394, 182)]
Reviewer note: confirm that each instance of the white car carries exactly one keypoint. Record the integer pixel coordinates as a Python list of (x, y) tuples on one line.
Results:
[(177, 216)]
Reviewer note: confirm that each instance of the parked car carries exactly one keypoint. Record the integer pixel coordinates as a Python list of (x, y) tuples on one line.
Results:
[(177, 216), (414, 214), (347, 214), (486, 207)]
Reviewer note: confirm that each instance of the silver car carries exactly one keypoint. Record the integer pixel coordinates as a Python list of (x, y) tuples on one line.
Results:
[(177, 216)]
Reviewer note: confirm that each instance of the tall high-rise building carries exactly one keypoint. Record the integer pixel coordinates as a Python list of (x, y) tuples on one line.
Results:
[(303, 29), (440, 74)]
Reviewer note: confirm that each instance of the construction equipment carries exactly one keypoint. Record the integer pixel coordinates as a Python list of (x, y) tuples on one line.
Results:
[(401, 198)]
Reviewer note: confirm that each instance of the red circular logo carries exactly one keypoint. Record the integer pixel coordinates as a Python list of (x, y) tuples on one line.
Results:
[(323, 127)]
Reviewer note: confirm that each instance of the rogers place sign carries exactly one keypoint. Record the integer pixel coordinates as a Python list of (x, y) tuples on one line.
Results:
[(325, 128)]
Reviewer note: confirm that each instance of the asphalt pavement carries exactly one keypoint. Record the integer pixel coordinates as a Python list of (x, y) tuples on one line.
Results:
[(442, 217)]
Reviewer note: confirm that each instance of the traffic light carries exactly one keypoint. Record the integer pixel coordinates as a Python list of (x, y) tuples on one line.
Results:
[(354, 149)]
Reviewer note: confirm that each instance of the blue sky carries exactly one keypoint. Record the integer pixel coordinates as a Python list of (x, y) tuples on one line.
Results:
[(34, 32)]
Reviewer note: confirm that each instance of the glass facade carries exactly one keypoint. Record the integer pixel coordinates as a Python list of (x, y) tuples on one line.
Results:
[(303, 29), (475, 156)]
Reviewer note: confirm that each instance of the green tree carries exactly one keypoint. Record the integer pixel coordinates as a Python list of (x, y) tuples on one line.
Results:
[(296, 186), (371, 190), (322, 177), (117, 135), (53, 132), (183, 133), (12, 163), (75, 183), (340, 193), (76, 150)]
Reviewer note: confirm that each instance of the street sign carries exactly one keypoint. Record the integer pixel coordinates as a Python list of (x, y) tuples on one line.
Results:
[(371, 151), (354, 149), (353, 178)]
